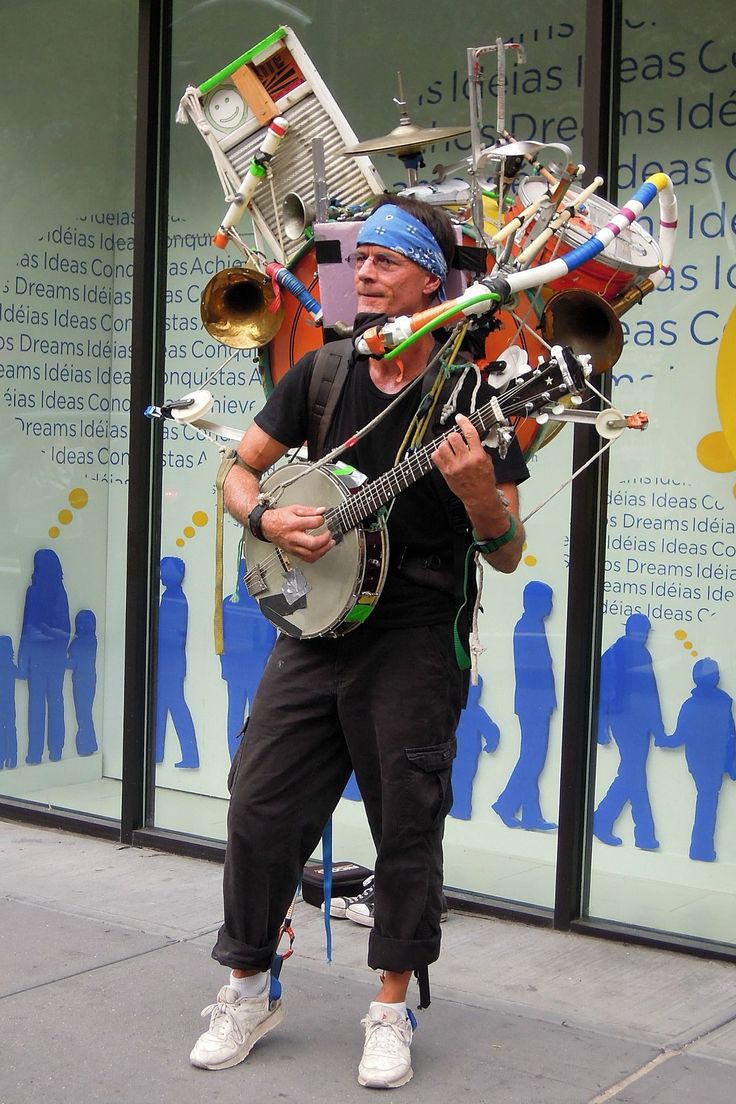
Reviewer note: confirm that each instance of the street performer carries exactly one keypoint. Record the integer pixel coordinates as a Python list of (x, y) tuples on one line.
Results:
[(382, 700)]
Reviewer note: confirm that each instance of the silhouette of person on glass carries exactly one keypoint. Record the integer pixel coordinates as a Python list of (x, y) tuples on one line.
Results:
[(534, 703), (8, 732), (476, 732), (248, 639), (82, 660), (705, 728), (42, 655), (171, 670), (351, 791), (629, 711)]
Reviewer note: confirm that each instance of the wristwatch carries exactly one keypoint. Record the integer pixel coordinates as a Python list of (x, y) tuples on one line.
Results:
[(254, 521)]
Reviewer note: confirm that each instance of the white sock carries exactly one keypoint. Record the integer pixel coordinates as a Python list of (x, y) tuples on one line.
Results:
[(253, 986), (377, 1006)]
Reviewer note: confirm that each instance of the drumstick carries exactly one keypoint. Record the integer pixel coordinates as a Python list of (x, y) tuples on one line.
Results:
[(515, 223), (557, 223)]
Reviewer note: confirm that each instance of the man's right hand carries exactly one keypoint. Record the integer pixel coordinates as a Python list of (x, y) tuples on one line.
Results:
[(292, 528)]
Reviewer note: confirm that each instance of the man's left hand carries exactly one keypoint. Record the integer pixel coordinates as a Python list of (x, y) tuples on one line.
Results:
[(464, 463)]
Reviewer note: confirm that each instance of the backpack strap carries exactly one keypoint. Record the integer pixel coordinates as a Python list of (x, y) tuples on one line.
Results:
[(329, 373), (464, 582)]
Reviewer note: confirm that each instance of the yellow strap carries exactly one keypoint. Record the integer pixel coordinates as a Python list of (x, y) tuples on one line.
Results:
[(419, 428), (229, 457)]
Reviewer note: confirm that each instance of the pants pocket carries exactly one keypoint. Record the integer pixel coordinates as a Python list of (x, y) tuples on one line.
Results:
[(429, 785)]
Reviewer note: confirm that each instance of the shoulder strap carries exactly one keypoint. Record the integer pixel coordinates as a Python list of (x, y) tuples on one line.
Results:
[(329, 373)]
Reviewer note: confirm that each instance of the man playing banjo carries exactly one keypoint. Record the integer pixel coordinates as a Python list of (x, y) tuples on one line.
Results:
[(383, 700)]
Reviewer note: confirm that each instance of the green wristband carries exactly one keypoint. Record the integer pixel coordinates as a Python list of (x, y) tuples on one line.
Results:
[(486, 547)]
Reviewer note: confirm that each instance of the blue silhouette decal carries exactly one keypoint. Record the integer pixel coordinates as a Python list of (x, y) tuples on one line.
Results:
[(534, 703), (629, 711), (42, 655), (8, 733), (705, 728), (476, 732), (82, 659), (351, 791), (171, 667), (248, 639)]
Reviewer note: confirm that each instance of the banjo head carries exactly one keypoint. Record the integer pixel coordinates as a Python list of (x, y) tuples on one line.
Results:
[(333, 595)]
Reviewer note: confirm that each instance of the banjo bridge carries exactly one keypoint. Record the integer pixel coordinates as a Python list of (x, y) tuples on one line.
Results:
[(283, 558)]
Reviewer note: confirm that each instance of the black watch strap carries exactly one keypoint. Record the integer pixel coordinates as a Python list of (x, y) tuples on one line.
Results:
[(254, 521)]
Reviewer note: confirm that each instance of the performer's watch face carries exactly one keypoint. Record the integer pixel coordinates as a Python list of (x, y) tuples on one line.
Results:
[(387, 283)]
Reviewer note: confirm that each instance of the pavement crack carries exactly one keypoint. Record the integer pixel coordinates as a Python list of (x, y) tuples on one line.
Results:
[(664, 1056), (91, 969)]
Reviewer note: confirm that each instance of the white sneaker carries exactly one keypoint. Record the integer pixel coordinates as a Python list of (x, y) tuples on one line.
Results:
[(386, 1061), (340, 905), (236, 1025)]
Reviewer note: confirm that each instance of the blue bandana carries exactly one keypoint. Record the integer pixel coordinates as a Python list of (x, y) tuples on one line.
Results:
[(397, 230)]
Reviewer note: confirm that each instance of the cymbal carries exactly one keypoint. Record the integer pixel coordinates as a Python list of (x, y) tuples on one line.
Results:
[(406, 138)]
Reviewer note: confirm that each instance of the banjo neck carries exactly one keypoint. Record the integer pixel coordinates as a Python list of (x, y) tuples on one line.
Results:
[(544, 385), (372, 496)]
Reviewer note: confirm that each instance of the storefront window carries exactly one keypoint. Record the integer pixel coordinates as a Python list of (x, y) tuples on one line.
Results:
[(664, 851), (65, 302), (501, 833)]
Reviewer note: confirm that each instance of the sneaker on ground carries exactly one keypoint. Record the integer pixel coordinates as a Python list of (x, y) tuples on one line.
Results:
[(386, 1061), (340, 905), (236, 1025), (361, 909)]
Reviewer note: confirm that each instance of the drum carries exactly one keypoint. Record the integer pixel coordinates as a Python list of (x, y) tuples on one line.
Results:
[(297, 334), (634, 253)]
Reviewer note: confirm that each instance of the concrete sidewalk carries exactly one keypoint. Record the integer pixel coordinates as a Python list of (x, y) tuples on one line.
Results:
[(105, 964)]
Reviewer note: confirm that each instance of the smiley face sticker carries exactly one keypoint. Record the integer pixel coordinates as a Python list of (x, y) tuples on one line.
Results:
[(224, 108)]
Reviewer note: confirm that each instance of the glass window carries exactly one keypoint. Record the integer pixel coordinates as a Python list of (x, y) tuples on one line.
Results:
[(500, 837), (664, 850), (65, 298)]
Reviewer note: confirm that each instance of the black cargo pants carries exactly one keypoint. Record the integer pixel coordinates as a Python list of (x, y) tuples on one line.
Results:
[(385, 703)]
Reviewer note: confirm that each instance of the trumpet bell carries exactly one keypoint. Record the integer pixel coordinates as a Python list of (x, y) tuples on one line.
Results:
[(237, 308), (587, 323)]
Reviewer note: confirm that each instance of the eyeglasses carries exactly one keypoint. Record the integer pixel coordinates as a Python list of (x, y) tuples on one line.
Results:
[(382, 261)]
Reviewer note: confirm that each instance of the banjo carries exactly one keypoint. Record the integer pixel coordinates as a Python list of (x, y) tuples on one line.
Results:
[(338, 592)]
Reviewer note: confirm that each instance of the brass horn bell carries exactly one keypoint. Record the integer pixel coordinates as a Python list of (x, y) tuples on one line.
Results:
[(237, 308), (588, 323)]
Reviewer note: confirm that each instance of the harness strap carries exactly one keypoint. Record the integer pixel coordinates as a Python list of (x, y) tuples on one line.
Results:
[(329, 372), (425, 997), (229, 458), (327, 883)]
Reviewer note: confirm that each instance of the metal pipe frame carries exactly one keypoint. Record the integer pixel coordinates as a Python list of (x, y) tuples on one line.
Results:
[(587, 522), (148, 344)]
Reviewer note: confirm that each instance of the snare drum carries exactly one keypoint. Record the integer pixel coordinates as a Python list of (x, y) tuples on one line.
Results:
[(633, 253)]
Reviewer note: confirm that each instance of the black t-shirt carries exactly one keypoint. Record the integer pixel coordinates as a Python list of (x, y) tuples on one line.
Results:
[(419, 521)]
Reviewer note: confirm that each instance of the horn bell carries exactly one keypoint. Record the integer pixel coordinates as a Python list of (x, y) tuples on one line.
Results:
[(298, 215), (587, 323), (237, 308)]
